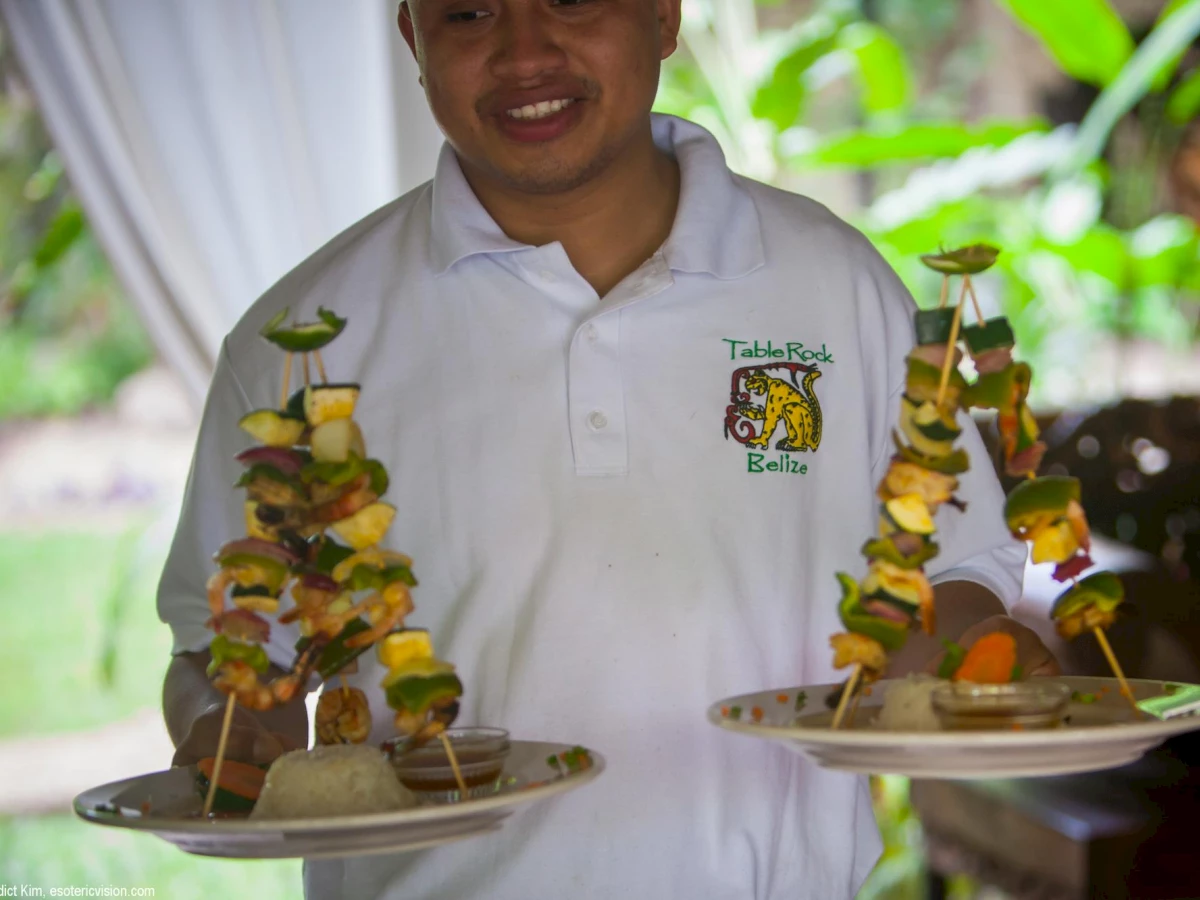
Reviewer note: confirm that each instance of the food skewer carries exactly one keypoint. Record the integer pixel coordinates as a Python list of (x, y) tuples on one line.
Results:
[(1102, 639), (220, 757), (896, 594), (851, 684), (321, 366), (314, 521)]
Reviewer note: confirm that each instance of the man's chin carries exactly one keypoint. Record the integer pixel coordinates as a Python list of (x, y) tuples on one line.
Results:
[(548, 175)]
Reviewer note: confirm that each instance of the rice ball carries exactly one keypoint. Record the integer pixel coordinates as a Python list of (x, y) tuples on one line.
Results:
[(908, 705), (336, 780)]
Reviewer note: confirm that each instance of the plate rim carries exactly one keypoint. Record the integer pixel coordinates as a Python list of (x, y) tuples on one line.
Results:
[(801, 735), (228, 828)]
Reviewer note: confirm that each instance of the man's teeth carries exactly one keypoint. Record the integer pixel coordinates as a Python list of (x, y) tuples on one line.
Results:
[(540, 110)]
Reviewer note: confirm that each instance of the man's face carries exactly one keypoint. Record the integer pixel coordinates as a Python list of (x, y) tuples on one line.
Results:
[(540, 95)]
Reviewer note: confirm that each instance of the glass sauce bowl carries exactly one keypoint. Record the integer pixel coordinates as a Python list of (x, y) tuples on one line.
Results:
[(964, 706), (426, 770)]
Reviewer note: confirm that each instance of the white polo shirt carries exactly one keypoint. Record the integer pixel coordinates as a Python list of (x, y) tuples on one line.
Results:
[(599, 552)]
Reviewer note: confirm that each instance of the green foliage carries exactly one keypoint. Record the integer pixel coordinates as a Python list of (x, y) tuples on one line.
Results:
[(1089, 253), (882, 69), (1086, 37), (911, 142), (68, 337)]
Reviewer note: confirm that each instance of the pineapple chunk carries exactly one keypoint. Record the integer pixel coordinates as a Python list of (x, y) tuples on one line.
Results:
[(259, 603), (367, 526), (376, 558), (1055, 543), (272, 429), (336, 439), (326, 402), (255, 528), (401, 647)]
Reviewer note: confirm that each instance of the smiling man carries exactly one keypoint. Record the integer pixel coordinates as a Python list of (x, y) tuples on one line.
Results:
[(562, 339)]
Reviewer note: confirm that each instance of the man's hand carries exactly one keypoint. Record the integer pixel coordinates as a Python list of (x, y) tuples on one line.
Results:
[(1033, 656), (249, 741), (194, 711)]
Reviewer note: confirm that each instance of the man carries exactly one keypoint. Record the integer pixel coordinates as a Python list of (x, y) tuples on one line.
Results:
[(546, 336)]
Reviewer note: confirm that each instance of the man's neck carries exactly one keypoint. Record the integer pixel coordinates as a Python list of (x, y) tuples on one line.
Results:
[(608, 227)]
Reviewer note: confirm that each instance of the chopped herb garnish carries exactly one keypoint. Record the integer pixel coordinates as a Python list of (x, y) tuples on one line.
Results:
[(801, 700), (735, 712)]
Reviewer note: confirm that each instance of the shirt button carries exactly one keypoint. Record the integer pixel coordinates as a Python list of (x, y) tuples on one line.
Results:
[(593, 333), (597, 421)]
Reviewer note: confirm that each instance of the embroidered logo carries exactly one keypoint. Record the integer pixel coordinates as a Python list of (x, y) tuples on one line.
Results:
[(775, 394)]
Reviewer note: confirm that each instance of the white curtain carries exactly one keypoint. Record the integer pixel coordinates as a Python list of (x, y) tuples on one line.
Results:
[(216, 143)]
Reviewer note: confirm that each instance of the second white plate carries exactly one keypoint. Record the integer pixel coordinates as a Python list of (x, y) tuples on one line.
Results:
[(1100, 735)]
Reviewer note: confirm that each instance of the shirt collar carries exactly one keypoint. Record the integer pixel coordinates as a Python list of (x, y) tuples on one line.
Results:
[(716, 228)]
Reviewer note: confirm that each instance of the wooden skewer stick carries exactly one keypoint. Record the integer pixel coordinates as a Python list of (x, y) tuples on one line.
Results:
[(945, 292), (307, 376), (321, 367), (345, 687), (220, 758), (951, 344), (462, 785), (287, 381), (974, 299), (1116, 667), (854, 709), (851, 684)]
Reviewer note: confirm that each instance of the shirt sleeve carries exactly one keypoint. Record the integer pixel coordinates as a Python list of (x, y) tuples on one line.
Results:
[(975, 544), (212, 514)]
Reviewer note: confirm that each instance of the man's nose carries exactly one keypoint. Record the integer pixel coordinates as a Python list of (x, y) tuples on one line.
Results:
[(529, 48)]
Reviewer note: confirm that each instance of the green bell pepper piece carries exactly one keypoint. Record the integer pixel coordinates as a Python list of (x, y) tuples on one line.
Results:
[(1002, 390), (951, 464), (1044, 494), (224, 650), (885, 549), (857, 620), (329, 555), (954, 657), (306, 337), (1104, 590), (418, 694)]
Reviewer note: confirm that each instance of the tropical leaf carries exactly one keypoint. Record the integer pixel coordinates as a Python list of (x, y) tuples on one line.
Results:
[(1163, 44), (1086, 38), (882, 68), (1184, 102), (1163, 251), (1163, 78), (920, 141), (780, 98)]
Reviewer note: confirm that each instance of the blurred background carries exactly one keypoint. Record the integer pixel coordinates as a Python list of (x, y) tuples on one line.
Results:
[(163, 162)]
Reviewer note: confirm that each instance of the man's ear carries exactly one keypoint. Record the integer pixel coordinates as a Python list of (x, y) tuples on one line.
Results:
[(406, 28), (668, 25)]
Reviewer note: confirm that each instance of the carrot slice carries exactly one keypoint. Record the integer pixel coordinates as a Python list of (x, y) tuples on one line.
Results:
[(990, 660), (238, 778)]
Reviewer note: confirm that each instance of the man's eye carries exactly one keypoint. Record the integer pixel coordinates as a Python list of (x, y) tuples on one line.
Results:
[(571, 2), (473, 15)]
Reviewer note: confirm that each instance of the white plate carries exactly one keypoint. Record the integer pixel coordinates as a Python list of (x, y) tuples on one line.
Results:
[(1100, 735), (175, 808)]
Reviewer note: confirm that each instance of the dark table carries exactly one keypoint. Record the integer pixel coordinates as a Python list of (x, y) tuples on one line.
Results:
[(1125, 834)]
